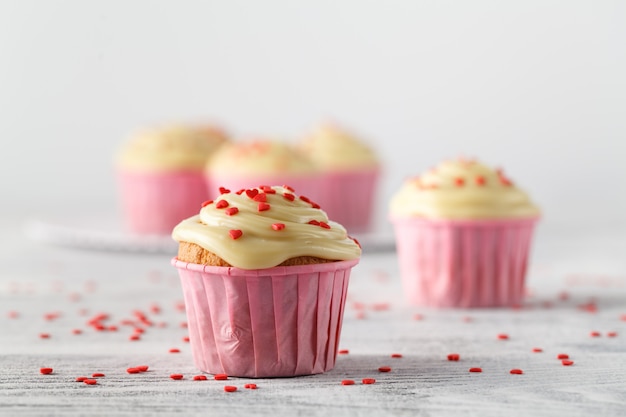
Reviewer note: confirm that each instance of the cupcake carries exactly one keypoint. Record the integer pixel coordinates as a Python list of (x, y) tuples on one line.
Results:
[(164, 168), (351, 169), (264, 276), (241, 165), (463, 236)]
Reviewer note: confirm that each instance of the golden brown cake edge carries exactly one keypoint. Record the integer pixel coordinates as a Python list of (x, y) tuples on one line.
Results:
[(195, 254)]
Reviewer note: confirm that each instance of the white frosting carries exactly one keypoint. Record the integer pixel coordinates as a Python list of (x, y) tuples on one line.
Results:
[(269, 234), (175, 147), (462, 189), (334, 148), (265, 156)]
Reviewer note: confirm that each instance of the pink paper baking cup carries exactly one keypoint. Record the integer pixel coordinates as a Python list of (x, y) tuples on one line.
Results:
[(473, 263), (275, 322), (348, 198), (307, 185), (153, 203)]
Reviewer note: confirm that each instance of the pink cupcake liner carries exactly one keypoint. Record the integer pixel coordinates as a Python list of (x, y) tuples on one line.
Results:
[(348, 198), (275, 322), (474, 263), (153, 203), (311, 186)]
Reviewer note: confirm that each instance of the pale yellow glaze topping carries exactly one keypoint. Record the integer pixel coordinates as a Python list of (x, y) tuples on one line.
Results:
[(263, 156), (171, 148), (334, 148), (462, 189), (262, 227)]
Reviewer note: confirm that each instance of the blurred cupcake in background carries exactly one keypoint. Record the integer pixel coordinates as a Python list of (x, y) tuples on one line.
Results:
[(161, 175), (463, 236), (251, 163), (351, 170)]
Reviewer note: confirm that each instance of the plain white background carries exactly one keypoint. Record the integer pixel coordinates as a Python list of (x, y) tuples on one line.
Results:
[(536, 87)]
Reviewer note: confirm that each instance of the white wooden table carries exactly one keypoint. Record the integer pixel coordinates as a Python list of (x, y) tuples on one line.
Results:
[(576, 286)]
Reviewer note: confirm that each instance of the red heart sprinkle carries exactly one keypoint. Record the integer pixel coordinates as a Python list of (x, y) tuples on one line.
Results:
[(132, 370), (206, 203), (199, 378), (343, 352), (261, 197), (396, 355), (90, 381), (537, 350), (480, 180), (347, 382), (475, 369), (250, 386), (289, 197), (45, 371), (252, 192), (278, 226), (562, 356), (81, 378), (220, 377), (516, 371), (230, 388), (503, 336), (324, 225), (97, 375), (314, 222), (224, 190), (286, 187), (454, 357), (567, 362), (176, 376), (263, 207), (221, 204), (235, 234), (384, 369), (368, 381), (231, 211), (459, 182)]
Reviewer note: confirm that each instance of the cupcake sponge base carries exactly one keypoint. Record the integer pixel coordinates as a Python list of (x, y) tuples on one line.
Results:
[(195, 254)]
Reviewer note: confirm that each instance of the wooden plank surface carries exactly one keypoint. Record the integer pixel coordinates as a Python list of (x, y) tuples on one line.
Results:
[(575, 288)]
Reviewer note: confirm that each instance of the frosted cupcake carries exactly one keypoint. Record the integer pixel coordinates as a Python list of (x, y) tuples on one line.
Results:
[(351, 169), (245, 164), (164, 168), (264, 274), (463, 235)]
